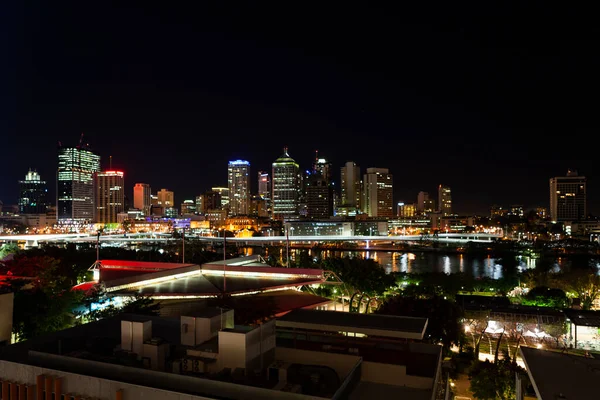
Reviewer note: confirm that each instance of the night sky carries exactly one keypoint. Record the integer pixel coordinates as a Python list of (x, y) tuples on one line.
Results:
[(490, 101)]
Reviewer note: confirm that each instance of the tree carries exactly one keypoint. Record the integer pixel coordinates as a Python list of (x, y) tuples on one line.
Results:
[(363, 275), (44, 304), (585, 283), (491, 381), (443, 316), (8, 249), (542, 296), (139, 304)]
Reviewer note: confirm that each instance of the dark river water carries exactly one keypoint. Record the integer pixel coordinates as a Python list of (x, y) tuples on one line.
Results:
[(419, 262)]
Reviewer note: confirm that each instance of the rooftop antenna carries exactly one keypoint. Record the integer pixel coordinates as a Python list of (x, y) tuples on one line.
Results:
[(110, 162), (81, 140)]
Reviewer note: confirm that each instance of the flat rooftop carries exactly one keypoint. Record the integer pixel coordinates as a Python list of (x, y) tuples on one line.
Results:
[(372, 390), (368, 324), (553, 374), (583, 317)]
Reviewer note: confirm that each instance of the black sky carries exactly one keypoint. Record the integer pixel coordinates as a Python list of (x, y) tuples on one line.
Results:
[(490, 100)]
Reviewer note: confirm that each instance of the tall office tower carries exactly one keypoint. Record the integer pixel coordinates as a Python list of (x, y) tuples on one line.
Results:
[(75, 183), (425, 205), (285, 187), (188, 207), (322, 167), (407, 210), (224, 193), (238, 182), (32, 194), (445, 200), (110, 196), (377, 193), (350, 185), (264, 185), (166, 198), (141, 198), (210, 200), (568, 197), (319, 197)]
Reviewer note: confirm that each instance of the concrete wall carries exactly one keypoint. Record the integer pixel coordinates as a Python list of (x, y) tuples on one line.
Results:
[(88, 386), (232, 350), (343, 364), (390, 374), (144, 378), (6, 316)]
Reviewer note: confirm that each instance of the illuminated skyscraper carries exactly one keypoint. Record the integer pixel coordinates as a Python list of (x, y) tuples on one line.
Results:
[(141, 198), (322, 167), (75, 183), (110, 196), (264, 185), (238, 182), (166, 199), (568, 200), (378, 193), (319, 197), (285, 187), (445, 200), (33, 192), (224, 193), (425, 205), (350, 185)]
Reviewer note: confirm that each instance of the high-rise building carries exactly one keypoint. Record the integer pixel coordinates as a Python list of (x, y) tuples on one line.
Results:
[(264, 185), (33, 194), (166, 198), (568, 200), (407, 210), (350, 185), (238, 180), (445, 200), (425, 205), (110, 196), (224, 193), (378, 193), (322, 167), (319, 197), (188, 207), (285, 187), (75, 183), (141, 198)]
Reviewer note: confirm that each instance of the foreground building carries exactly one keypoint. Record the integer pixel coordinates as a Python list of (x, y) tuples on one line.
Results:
[(556, 376), (204, 355)]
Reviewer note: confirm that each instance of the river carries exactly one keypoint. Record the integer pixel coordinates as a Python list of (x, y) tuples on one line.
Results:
[(420, 262)]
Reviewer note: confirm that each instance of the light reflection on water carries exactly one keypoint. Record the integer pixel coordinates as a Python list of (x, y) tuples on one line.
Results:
[(478, 265)]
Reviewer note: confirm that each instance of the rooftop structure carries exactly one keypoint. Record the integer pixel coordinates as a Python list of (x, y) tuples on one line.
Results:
[(237, 276), (368, 324), (560, 376), (203, 355)]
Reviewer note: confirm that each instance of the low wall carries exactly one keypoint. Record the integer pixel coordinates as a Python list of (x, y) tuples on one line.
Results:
[(395, 375), (343, 364)]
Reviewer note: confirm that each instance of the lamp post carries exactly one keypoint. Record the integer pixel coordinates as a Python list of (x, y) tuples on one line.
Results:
[(287, 244), (98, 245), (183, 245)]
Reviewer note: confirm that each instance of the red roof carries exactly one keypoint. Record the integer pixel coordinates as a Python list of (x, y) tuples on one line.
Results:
[(85, 286), (140, 265)]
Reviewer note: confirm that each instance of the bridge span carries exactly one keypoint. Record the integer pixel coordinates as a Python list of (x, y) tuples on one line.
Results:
[(34, 240)]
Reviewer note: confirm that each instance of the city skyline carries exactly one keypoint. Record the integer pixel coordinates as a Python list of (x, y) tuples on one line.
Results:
[(253, 183), (447, 100)]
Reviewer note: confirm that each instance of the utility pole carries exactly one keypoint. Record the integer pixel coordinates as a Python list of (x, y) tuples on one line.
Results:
[(287, 244), (183, 245), (224, 262), (98, 246)]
